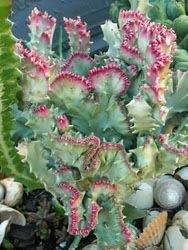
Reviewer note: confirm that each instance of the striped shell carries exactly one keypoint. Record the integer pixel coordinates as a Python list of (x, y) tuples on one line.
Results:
[(169, 193), (153, 233)]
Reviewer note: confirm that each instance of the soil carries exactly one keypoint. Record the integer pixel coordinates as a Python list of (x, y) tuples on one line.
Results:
[(46, 228)]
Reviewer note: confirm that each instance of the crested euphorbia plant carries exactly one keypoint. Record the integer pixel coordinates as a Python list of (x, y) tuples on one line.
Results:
[(89, 130)]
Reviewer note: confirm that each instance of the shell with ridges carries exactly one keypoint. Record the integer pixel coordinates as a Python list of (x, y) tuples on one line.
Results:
[(169, 193), (153, 233)]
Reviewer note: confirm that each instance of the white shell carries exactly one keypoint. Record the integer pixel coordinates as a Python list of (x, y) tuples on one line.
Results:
[(174, 240), (143, 197), (182, 175), (169, 193), (2, 192), (14, 192), (3, 228), (8, 213), (90, 247), (180, 219)]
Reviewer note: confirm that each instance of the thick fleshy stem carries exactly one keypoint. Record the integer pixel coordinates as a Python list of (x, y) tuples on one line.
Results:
[(152, 41), (42, 27), (79, 37)]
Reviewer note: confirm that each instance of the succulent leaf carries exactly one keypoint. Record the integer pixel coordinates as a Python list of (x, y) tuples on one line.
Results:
[(109, 80), (73, 151), (42, 27), (113, 162), (78, 63), (141, 114), (10, 162), (177, 100), (38, 166), (111, 231)]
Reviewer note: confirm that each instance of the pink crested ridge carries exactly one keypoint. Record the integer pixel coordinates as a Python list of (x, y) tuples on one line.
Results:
[(77, 55), (62, 122), (109, 70), (72, 190), (38, 65), (41, 22), (63, 169), (133, 70), (130, 51), (72, 79), (152, 41), (104, 183), (78, 34), (42, 111), (179, 151), (125, 230), (91, 222), (160, 50), (159, 68), (77, 26), (126, 16)]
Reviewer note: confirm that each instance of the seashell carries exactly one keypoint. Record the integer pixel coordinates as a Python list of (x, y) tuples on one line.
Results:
[(3, 228), (169, 193), (153, 233), (143, 197), (182, 175), (14, 192), (180, 219), (174, 240), (2, 192), (15, 217)]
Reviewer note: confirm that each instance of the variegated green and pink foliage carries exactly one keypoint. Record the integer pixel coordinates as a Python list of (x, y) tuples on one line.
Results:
[(89, 130)]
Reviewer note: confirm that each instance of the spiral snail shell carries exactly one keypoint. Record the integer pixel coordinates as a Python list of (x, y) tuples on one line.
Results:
[(169, 193)]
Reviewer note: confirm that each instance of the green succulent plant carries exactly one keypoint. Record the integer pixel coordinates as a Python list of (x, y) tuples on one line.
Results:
[(90, 129)]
